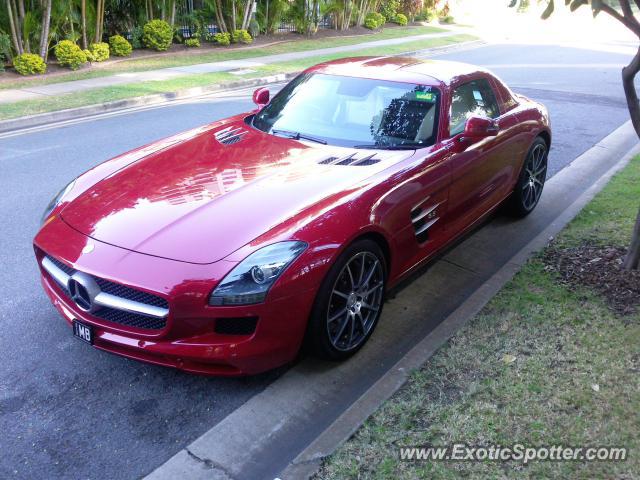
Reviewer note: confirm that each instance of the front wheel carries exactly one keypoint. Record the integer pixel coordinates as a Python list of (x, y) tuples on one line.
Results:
[(528, 190), (349, 302)]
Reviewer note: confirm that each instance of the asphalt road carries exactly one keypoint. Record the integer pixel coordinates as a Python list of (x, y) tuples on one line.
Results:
[(68, 411)]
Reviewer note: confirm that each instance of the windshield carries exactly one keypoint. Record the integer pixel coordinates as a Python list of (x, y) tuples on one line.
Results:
[(353, 112)]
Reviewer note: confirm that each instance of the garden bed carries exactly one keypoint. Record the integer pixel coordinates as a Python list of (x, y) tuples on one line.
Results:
[(55, 73)]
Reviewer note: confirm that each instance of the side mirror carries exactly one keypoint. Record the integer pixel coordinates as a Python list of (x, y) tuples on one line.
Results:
[(478, 128), (261, 97)]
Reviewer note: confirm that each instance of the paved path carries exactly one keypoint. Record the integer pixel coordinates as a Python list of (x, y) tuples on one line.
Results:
[(30, 93), (69, 411)]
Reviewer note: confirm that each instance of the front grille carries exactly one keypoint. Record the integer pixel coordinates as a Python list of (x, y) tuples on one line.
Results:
[(236, 325), (62, 266), (130, 319), (121, 317), (120, 290)]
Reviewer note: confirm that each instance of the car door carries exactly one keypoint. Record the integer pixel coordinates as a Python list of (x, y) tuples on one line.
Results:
[(480, 169)]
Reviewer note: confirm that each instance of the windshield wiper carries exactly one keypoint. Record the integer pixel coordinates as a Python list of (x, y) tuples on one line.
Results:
[(388, 147), (298, 135)]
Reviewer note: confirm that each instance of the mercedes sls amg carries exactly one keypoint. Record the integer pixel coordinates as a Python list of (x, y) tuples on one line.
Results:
[(221, 250)]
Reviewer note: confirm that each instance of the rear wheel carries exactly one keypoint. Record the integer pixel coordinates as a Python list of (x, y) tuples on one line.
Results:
[(528, 190), (349, 302)]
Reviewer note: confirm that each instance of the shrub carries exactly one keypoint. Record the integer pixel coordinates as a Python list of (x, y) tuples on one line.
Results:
[(158, 35), (447, 19), (390, 8), (221, 38), (5, 49), (29, 64), (241, 36), (370, 22), (192, 42), (401, 19), (136, 37), (89, 54), (374, 20), (70, 54), (119, 46), (100, 51)]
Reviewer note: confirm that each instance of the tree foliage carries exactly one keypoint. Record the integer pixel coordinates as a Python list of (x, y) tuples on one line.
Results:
[(622, 11)]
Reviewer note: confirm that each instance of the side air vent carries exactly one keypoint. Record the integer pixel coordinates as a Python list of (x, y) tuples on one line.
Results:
[(423, 218), (230, 135), (351, 160)]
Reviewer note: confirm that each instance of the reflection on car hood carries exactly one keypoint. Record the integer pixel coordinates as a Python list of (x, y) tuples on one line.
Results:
[(203, 198)]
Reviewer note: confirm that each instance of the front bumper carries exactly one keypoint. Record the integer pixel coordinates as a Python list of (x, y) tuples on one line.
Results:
[(189, 340)]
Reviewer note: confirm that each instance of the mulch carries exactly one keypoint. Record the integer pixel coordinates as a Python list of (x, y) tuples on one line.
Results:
[(599, 268)]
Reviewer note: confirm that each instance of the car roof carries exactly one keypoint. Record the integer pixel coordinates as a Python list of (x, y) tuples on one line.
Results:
[(408, 69)]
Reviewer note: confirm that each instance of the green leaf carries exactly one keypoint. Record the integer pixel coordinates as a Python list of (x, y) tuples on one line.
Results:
[(576, 4), (596, 6), (513, 3), (548, 11)]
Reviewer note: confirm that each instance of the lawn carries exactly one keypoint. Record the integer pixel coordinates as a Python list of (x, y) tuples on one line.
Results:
[(101, 95), (544, 363), (220, 54)]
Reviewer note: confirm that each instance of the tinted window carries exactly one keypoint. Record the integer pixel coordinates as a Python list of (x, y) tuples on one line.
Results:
[(473, 98), (351, 111)]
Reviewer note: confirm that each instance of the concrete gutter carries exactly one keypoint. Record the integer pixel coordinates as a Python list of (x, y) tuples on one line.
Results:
[(305, 415), (31, 121)]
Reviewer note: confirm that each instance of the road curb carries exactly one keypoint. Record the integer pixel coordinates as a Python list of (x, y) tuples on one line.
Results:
[(19, 123), (282, 416), (308, 462)]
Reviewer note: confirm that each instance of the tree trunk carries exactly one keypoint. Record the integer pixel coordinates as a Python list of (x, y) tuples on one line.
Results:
[(17, 42), (628, 77), (18, 26), (233, 16), (222, 25), (44, 35), (173, 12), (27, 45), (96, 38), (632, 260), (83, 14)]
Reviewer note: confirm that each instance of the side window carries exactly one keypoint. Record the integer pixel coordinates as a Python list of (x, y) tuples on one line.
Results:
[(473, 98)]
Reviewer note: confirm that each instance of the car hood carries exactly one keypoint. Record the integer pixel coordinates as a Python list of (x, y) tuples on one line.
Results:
[(201, 199)]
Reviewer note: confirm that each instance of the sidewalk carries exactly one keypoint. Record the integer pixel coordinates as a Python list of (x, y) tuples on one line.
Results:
[(42, 91)]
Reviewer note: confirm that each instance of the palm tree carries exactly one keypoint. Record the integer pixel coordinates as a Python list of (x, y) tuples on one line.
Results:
[(83, 14), (44, 35)]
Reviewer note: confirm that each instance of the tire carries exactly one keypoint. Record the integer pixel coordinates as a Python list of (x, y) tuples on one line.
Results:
[(349, 303), (531, 181)]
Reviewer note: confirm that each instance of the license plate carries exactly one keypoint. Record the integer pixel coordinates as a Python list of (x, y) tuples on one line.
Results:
[(83, 331)]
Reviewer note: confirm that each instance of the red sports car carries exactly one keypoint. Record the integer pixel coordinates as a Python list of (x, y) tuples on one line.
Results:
[(221, 249)]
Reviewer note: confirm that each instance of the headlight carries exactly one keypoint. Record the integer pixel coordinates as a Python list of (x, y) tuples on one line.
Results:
[(56, 200), (251, 279)]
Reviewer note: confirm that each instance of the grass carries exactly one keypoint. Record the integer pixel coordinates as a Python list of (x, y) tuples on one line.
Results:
[(106, 94), (540, 365), (218, 55)]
